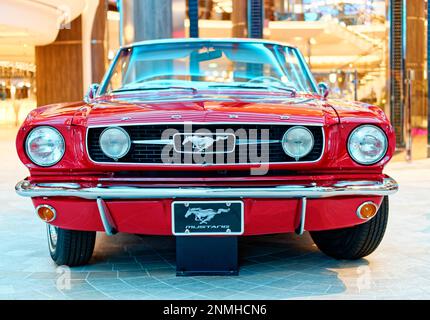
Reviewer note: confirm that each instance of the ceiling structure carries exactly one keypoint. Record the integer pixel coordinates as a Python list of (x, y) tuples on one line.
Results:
[(331, 44), (27, 23)]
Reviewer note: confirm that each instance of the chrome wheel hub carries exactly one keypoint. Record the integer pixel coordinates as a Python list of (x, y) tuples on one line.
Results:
[(52, 237)]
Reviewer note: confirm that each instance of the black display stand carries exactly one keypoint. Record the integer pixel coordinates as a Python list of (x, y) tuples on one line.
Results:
[(201, 255)]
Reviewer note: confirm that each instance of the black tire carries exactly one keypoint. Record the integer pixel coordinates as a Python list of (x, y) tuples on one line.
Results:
[(70, 247), (355, 242)]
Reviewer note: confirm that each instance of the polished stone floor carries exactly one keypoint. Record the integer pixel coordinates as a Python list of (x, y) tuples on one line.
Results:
[(277, 267)]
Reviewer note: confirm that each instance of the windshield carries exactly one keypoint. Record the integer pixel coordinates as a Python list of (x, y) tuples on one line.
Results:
[(209, 65)]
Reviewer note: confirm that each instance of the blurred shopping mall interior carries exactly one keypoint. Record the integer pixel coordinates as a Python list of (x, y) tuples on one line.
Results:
[(374, 51)]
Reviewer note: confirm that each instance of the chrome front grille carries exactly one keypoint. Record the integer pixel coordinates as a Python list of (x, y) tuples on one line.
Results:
[(148, 144)]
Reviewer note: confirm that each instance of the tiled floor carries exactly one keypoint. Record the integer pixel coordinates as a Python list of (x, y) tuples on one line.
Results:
[(278, 267)]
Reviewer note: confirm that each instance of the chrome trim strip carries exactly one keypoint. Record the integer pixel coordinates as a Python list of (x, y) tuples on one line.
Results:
[(160, 141), (107, 75), (238, 141), (201, 123), (344, 188), (119, 124), (307, 69), (301, 229), (255, 141), (105, 216), (188, 40)]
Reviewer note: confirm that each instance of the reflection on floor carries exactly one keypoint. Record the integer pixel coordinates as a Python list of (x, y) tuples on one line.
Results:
[(276, 266)]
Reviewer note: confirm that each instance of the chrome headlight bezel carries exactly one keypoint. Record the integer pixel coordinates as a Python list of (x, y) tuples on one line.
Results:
[(288, 152), (32, 157), (381, 154), (124, 152)]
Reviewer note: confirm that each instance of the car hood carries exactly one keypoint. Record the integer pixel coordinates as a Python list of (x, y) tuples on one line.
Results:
[(354, 112), (206, 108)]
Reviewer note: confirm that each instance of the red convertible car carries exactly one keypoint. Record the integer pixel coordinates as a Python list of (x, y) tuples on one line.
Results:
[(193, 137)]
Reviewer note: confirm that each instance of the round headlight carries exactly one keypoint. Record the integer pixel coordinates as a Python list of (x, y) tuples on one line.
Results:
[(45, 146), (297, 142), (115, 142), (367, 144)]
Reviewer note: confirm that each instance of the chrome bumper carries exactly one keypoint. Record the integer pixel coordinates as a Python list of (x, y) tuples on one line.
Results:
[(342, 188)]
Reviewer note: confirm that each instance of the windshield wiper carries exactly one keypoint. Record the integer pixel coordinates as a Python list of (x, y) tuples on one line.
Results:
[(194, 90), (289, 89), (253, 86)]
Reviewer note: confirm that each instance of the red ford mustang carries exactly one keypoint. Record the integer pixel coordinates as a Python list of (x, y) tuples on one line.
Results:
[(193, 137)]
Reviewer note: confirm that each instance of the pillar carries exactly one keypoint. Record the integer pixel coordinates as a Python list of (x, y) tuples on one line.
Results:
[(397, 9), (193, 15), (98, 49), (428, 80), (416, 59), (248, 18), (415, 64), (408, 59), (59, 71), (145, 20), (239, 19), (255, 18), (66, 67), (93, 42)]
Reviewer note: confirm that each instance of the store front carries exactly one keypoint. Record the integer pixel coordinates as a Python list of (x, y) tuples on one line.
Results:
[(17, 92)]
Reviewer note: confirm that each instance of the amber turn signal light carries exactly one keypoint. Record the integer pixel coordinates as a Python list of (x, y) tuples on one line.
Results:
[(367, 210), (46, 213)]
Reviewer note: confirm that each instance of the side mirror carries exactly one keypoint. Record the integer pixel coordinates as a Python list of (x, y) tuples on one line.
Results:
[(91, 93), (323, 89)]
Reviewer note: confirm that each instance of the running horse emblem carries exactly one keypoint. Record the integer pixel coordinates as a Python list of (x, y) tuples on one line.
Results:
[(201, 143), (204, 215)]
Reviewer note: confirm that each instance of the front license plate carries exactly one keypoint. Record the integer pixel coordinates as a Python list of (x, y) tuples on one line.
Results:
[(207, 218)]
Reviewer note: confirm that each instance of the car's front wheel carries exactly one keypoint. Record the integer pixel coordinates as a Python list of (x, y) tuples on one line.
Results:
[(70, 247), (355, 242)]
